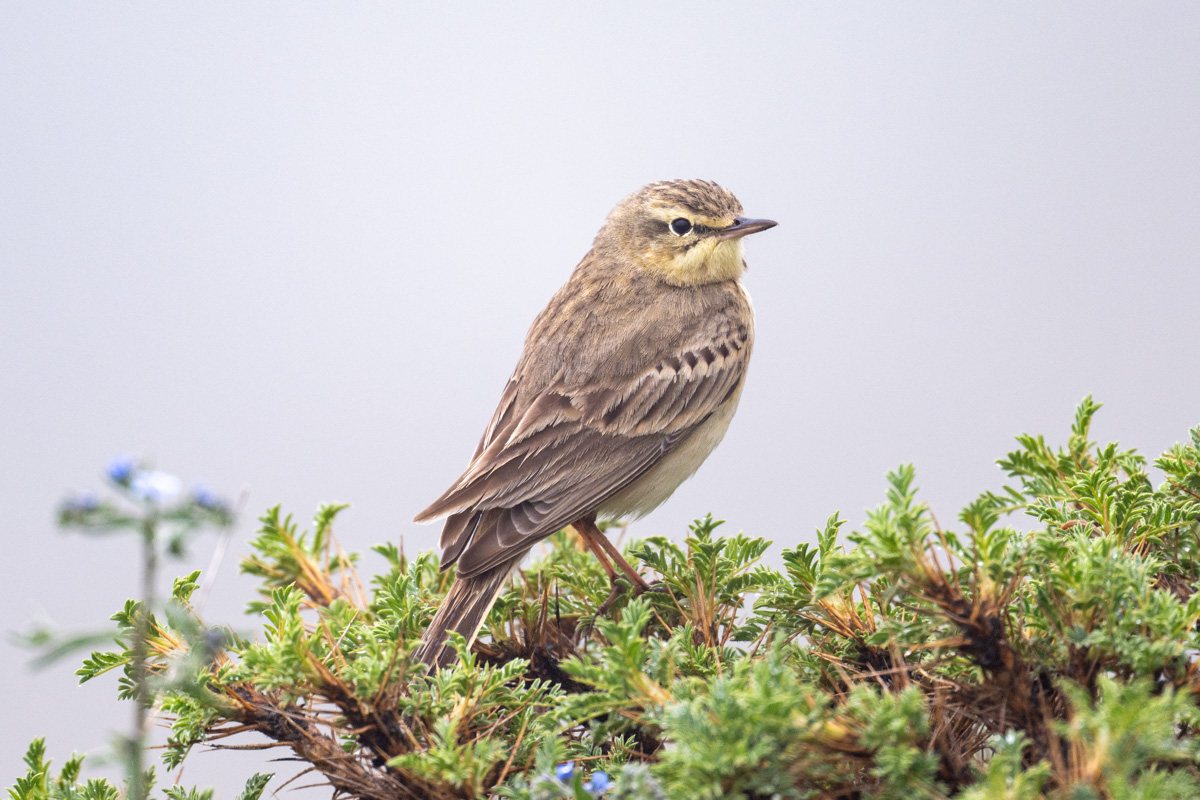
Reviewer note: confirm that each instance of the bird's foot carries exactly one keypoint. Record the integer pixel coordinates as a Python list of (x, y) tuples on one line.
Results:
[(619, 587)]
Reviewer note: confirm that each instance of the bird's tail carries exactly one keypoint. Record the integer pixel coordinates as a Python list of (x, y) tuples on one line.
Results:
[(464, 609)]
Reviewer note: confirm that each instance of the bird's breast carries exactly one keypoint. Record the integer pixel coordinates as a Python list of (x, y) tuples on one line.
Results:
[(651, 490)]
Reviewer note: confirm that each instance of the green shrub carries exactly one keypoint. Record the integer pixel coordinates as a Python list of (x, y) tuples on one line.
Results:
[(903, 660)]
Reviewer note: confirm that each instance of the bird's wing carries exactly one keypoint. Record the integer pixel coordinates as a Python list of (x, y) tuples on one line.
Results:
[(572, 447)]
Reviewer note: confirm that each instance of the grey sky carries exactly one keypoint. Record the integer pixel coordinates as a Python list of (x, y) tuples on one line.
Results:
[(297, 246)]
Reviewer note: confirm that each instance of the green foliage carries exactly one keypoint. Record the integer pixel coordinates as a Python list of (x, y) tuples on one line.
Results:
[(255, 785), (181, 793), (1125, 744), (706, 582), (284, 557), (40, 783), (1042, 648)]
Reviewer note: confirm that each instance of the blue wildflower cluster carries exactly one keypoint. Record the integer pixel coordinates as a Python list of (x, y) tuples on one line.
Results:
[(595, 785), (148, 485), (633, 781), (152, 488)]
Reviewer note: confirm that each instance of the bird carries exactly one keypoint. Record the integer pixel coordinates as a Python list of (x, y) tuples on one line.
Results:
[(627, 381)]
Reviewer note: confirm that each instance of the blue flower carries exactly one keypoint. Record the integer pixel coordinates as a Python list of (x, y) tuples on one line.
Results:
[(155, 486), (206, 499), (83, 501), (120, 469), (565, 771), (598, 784), (214, 640)]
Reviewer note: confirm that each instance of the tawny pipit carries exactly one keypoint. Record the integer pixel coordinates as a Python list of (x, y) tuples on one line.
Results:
[(628, 380)]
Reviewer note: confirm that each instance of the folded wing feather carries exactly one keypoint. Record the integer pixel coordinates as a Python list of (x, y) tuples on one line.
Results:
[(540, 468)]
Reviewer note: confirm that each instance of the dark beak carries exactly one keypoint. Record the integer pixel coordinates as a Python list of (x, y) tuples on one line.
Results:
[(743, 226)]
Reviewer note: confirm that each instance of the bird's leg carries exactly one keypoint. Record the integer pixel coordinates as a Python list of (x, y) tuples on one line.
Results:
[(617, 590), (596, 551), (590, 543), (596, 539)]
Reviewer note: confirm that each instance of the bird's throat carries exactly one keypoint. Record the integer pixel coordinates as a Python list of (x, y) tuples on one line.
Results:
[(707, 262)]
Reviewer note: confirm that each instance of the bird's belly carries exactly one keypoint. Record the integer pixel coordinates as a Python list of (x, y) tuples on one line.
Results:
[(659, 482)]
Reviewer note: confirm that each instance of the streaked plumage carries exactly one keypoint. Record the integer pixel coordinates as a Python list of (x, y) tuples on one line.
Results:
[(628, 380)]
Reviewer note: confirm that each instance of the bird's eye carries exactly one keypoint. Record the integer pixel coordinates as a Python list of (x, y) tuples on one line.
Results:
[(681, 226)]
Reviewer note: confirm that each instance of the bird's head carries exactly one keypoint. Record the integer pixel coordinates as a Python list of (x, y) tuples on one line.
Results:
[(684, 232)]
